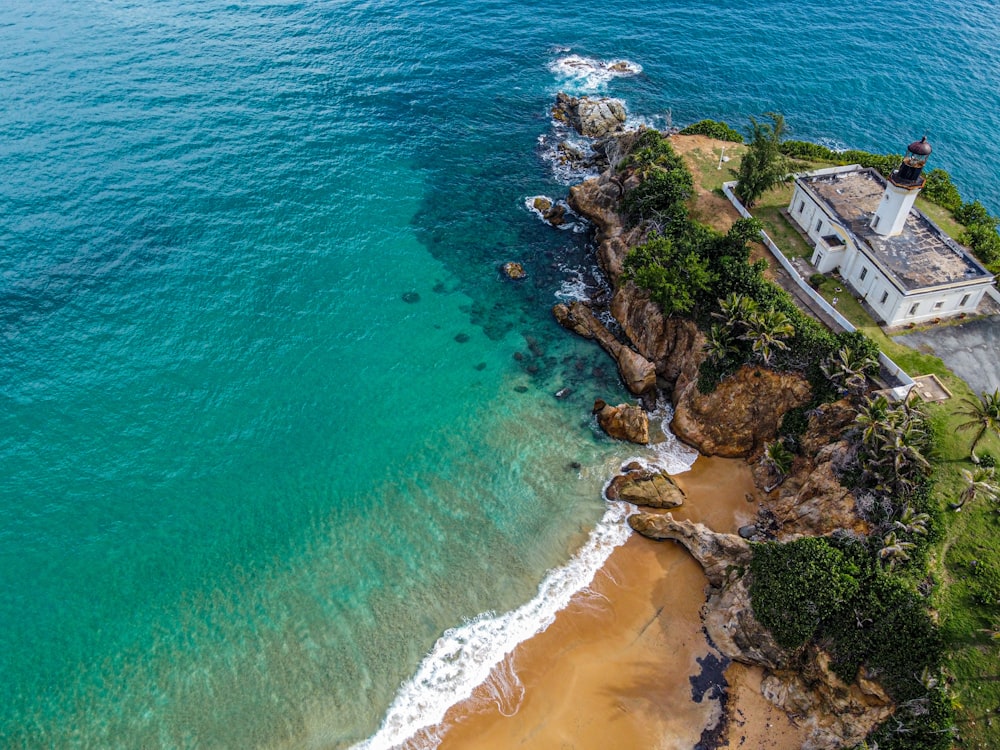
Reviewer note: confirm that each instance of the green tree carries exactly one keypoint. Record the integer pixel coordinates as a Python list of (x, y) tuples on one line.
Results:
[(778, 460), (672, 274), (766, 331), (763, 165), (719, 344), (978, 483), (984, 417), (847, 368), (894, 549)]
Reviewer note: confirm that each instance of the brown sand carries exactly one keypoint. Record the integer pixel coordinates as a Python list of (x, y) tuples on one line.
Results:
[(614, 669)]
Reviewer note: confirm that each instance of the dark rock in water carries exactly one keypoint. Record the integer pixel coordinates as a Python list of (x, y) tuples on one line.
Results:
[(599, 404), (440, 288), (519, 356), (521, 388), (411, 297), (748, 532), (575, 465), (481, 366), (461, 338), (514, 270), (563, 392)]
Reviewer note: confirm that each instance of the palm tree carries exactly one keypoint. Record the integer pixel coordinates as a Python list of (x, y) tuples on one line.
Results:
[(719, 343), (912, 522), (847, 369), (767, 330), (893, 549), (873, 416), (984, 417), (735, 309), (778, 459), (978, 483)]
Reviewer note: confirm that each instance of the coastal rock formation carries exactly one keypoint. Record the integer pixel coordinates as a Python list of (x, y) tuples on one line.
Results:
[(742, 412), (623, 422), (638, 373), (552, 213), (592, 117), (514, 270), (799, 681), (640, 486), (812, 500), (836, 714)]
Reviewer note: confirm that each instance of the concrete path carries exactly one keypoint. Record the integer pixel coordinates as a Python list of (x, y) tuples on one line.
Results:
[(971, 350)]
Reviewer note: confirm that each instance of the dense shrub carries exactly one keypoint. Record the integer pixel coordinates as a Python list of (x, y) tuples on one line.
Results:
[(672, 271), (884, 163), (798, 584), (939, 189), (713, 129), (834, 591)]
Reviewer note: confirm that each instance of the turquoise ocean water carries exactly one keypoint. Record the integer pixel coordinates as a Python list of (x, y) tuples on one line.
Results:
[(280, 460)]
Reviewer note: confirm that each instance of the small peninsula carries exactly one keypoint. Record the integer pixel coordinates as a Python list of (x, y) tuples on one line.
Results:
[(833, 589)]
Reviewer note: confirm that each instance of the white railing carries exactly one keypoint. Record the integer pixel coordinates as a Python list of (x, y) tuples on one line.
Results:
[(890, 366)]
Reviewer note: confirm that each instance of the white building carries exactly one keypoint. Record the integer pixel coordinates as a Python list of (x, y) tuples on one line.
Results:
[(888, 252)]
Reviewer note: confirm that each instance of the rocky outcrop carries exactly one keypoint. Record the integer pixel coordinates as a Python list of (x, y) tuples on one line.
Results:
[(592, 117), (623, 422), (640, 486), (799, 681), (514, 270), (837, 714), (638, 373), (741, 413), (552, 213), (811, 500)]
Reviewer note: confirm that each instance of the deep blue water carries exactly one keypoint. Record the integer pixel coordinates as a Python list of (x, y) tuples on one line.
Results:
[(264, 436)]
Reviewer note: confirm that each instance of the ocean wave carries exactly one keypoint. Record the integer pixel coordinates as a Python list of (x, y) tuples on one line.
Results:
[(464, 657), (570, 218), (581, 284), (592, 74)]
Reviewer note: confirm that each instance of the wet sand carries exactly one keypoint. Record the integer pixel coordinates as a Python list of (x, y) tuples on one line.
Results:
[(627, 665)]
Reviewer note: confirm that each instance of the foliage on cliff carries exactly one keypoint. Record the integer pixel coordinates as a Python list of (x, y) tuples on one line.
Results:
[(713, 129), (837, 593), (769, 329)]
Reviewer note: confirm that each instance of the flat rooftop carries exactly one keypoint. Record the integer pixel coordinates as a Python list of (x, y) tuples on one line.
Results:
[(921, 256)]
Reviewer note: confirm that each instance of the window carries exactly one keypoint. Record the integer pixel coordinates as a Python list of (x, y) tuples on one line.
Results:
[(802, 206), (939, 305), (864, 272), (885, 296), (913, 310), (819, 225), (875, 223), (965, 299)]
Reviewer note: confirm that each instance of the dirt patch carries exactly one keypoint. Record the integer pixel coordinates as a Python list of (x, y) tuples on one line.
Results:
[(702, 153)]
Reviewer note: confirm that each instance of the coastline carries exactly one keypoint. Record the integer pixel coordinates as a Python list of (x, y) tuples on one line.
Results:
[(626, 663)]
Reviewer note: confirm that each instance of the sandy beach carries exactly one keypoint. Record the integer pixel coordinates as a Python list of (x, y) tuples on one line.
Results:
[(627, 665)]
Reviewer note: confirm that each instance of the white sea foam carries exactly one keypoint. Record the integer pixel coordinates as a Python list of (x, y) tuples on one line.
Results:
[(592, 74), (464, 657), (670, 454), (581, 284), (570, 219)]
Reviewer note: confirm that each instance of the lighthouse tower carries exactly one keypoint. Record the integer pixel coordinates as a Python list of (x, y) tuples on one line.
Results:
[(904, 185)]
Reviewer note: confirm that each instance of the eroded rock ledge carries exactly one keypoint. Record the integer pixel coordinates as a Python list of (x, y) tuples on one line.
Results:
[(799, 681)]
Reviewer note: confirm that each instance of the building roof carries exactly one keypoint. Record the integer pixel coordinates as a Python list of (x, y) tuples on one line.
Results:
[(920, 256)]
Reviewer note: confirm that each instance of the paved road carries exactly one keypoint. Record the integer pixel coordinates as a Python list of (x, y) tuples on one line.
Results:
[(971, 350)]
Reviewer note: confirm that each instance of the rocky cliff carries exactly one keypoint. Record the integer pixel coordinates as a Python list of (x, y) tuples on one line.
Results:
[(799, 681), (743, 412)]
